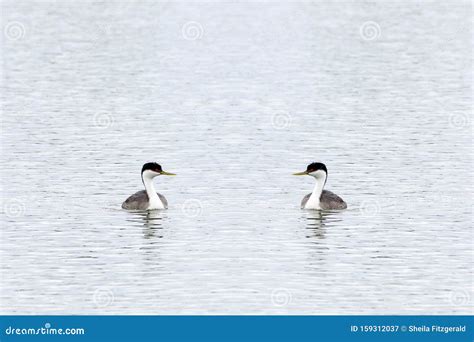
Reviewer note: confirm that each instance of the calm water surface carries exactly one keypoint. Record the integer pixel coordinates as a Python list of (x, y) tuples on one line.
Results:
[(234, 97)]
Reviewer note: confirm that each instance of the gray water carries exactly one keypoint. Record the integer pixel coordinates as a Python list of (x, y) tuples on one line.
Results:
[(234, 97)]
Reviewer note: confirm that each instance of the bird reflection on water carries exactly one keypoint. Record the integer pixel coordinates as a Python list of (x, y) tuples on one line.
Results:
[(317, 220), (152, 221)]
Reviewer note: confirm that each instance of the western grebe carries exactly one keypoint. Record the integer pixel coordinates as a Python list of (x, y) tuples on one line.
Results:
[(148, 199), (319, 198)]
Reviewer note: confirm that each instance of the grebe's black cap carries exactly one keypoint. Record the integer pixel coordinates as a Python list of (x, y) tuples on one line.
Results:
[(152, 167), (315, 167), (312, 168), (156, 168)]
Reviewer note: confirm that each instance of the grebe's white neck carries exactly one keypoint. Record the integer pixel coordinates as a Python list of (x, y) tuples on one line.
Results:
[(314, 199), (154, 202)]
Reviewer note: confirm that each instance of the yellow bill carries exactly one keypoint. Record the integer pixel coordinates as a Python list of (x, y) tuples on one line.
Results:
[(164, 173)]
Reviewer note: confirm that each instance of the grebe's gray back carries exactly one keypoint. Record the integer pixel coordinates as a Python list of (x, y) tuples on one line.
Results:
[(148, 199), (319, 198)]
